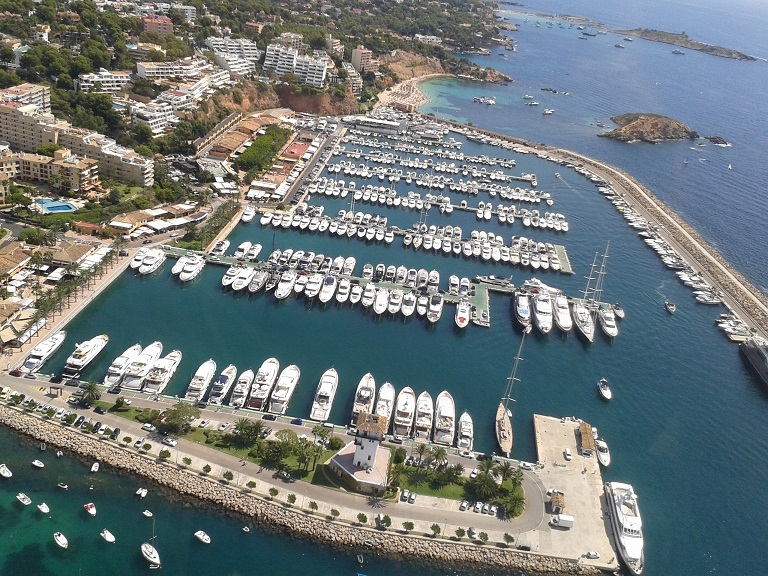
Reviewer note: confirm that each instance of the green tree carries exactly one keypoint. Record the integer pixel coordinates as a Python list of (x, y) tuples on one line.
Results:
[(335, 513), (91, 392), (407, 526), (362, 518), (291, 499), (178, 419), (508, 538), (187, 461), (251, 485), (313, 506), (423, 451), (246, 431), (165, 454), (228, 476), (386, 521), (483, 537), (435, 530), (460, 532), (127, 439), (273, 492), (207, 469), (505, 470)]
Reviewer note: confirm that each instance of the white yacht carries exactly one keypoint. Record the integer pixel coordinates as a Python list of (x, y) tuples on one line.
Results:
[(542, 312), (61, 540), (243, 278), (583, 320), (242, 389), (202, 537), (607, 318), (162, 372), (523, 308), (386, 401), (152, 261), (627, 524), (462, 315), (314, 285), (445, 419), (604, 389), (328, 289), (5, 472), (263, 384), (221, 248), (198, 386), (409, 304), (422, 303), (107, 536), (242, 249), (180, 263), (365, 396), (326, 392), (230, 275), (285, 286), (140, 367), (258, 281), (44, 350), (138, 258), (355, 294), (395, 301), (253, 252), (466, 437), (192, 268), (223, 384), (405, 410), (562, 313), (286, 384), (248, 213), (381, 302), (369, 295), (425, 413), (603, 454), (83, 355), (435, 309), (342, 294)]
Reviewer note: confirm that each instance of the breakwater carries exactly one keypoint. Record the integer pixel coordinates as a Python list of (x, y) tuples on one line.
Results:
[(278, 516)]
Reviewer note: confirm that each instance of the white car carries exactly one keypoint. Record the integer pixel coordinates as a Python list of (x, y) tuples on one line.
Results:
[(168, 441), (139, 443), (526, 466), (148, 427), (102, 429), (474, 473), (223, 426), (567, 454), (203, 423)]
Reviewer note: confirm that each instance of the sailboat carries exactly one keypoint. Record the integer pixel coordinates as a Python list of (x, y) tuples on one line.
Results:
[(503, 423), (149, 551)]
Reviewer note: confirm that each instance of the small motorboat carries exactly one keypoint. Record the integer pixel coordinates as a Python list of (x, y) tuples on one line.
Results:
[(246, 529), (23, 498), (203, 537), (604, 389), (43, 507), (141, 492), (95, 468), (60, 540), (90, 508), (603, 454), (670, 306), (62, 486), (618, 311), (38, 464), (42, 447), (59, 454), (5, 472), (107, 535), (147, 513)]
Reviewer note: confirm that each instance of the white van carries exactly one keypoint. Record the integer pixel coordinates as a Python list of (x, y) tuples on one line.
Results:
[(562, 521)]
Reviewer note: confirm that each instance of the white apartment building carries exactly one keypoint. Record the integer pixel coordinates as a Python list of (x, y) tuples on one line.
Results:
[(311, 71), (280, 59), (235, 65), (185, 69), (109, 81), (157, 116), (35, 94), (190, 12), (291, 40), (239, 47), (355, 80)]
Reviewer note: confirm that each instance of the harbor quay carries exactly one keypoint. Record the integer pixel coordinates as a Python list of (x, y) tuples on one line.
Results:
[(537, 548)]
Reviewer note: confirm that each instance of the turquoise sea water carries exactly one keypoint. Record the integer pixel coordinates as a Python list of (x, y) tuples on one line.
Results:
[(687, 426)]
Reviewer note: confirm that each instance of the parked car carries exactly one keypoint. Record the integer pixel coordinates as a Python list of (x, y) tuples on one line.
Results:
[(486, 508), (102, 429), (474, 473), (203, 423), (297, 421), (148, 427), (97, 427), (464, 505), (270, 417), (115, 434), (168, 441), (478, 507), (493, 510), (567, 454), (99, 410), (404, 496), (223, 426), (139, 443), (412, 498)]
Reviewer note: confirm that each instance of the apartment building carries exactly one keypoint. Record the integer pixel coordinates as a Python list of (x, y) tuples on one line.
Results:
[(185, 69), (354, 79), (68, 171), (161, 25), (35, 94), (157, 116), (103, 81), (362, 60), (190, 12), (139, 52), (291, 40), (239, 47), (309, 70), (235, 65)]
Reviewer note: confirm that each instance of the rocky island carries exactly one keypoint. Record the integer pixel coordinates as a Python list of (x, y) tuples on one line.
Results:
[(683, 41), (648, 128)]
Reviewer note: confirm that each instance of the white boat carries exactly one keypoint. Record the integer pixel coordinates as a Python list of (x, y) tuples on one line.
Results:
[(138, 258), (435, 309), (83, 355), (385, 404), (328, 289), (201, 380), (409, 304), (326, 392), (221, 247), (150, 554), (242, 249), (604, 389), (381, 302), (422, 303), (38, 464), (203, 537), (466, 434), (242, 389), (355, 294), (192, 268), (230, 275), (342, 294), (607, 319), (179, 266), (627, 524), (562, 313), (462, 315), (139, 368), (90, 508), (583, 320), (107, 536), (405, 410), (43, 507), (425, 413), (243, 278), (44, 350), (263, 384), (94, 467), (314, 285), (445, 419), (152, 261), (265, 219), (253, 253), (148, 513), (300, 284), (223, 384), (603, 454), (286, 384), (369, 295), (258, 281), (141, 492), (162, 372), (395, 302), (248, 213), (61, 540), (116, 370), (285, 286), (5, 472), (542, 312), (365, 396), (23, 498)]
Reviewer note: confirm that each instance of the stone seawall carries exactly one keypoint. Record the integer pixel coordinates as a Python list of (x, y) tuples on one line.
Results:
[(285, 519)]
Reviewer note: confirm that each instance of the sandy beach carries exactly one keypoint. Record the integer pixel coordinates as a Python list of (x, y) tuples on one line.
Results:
[(407, 92)]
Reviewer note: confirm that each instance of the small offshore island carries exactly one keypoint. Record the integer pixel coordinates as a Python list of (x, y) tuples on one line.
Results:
[(652, 128), (683, 41)]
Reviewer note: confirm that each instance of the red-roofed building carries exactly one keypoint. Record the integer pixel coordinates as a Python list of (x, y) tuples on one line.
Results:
[(158, 24)]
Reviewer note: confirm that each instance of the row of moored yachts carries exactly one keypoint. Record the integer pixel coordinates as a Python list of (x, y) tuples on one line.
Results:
[(370, 228)]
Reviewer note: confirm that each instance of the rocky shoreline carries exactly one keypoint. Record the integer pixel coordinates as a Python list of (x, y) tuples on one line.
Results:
[(280, 517)]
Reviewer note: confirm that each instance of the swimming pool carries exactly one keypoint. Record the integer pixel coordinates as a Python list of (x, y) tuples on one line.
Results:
[(52, 206)]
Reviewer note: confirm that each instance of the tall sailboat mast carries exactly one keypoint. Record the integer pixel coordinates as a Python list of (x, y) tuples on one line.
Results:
[(504, 436)]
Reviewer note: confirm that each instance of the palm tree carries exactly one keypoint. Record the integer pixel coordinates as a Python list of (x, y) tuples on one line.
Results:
[(440, 455), (487, 468), (515, 505), (517, 479), (421, 450), (485, 486), (505, 470), (91, 392)]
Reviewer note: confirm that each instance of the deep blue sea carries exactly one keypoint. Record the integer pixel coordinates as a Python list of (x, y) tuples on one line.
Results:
[(687, 426)]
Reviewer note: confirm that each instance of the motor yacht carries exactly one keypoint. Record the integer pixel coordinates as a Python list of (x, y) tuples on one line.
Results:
[(435, 308), (523, 309), (542, 312), (162, 372), (355, 294), (263, 384), (242, 389), (604, 389), (328, 289), (284, 388), (230, 275), (243, 278), (603, 454), (326, 392), (583, 320), (607, 319), (395, 301), (425, 412), (445, 419), (42, 352), (405, 409), (385, 403), (365, 396), (562, 313), (153, 259), (409, 304), (61, 540), (107, 536), (284, 288), (342, 293), (138, 258), (463, 311), (140, 367), (627, 524), (198, 386), (466, 433), (192, 268), (5, 472), (381, 301), (242, 250), (223, 383), (83, 355)]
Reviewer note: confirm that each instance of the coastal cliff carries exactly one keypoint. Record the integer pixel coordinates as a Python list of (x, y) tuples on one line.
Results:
[(648, 128)]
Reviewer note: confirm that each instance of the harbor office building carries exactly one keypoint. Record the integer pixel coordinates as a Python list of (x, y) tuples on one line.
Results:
[(363, 465)]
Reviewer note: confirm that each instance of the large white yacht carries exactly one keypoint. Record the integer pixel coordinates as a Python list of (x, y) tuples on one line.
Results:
[(192, 268), (44, 350), (603, 453), (223, 384), (607, 318), (180, 263), (117, 368), (445, 419), (381, 302), (285, 286), (326, 392), (386, 402), (230, 275), (328, 289), (627, 525), (242, 249), (462, 313), (425, 412), (242, 389), (263, 384), (562, 313), (162, 372), (83, 355), (435, 309), (523, 309), (138, 258), (198, 386), (466, 437), (152, 261), (365, 396), (405, 410), (243, 278), (140, 367), (542, 312), (286, 384), (248, 213)]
